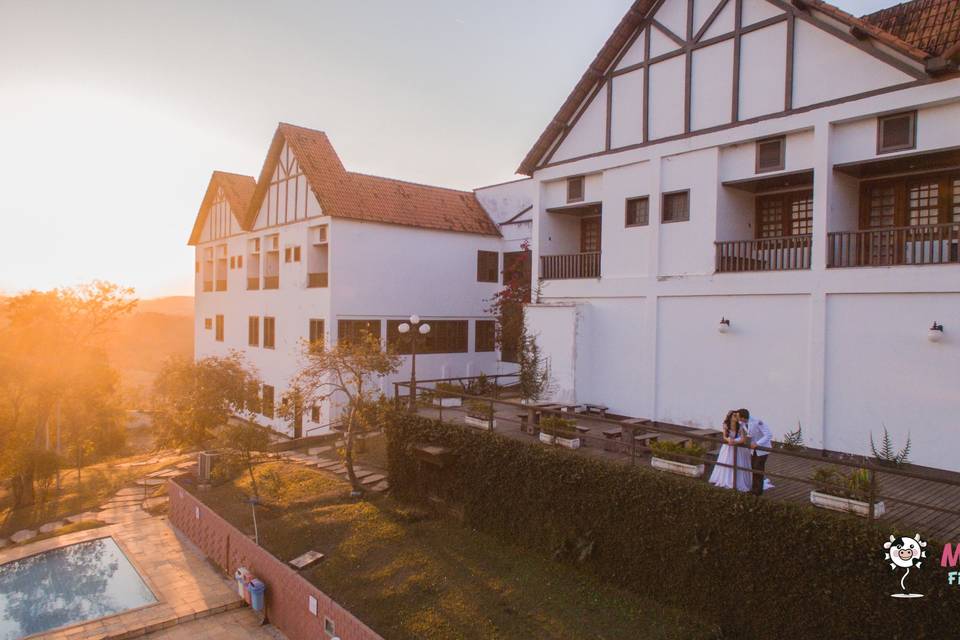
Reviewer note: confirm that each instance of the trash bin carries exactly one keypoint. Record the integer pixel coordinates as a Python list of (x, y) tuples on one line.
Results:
[(257, 589), (243, 576)]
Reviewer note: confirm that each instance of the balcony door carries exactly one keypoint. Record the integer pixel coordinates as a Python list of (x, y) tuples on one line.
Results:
[(590, 235), (782, 215)]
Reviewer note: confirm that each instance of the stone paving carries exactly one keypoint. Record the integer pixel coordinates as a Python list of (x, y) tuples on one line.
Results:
[(239, 624)]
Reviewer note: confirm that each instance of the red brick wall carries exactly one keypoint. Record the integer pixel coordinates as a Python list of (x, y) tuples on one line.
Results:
[(287, 592)]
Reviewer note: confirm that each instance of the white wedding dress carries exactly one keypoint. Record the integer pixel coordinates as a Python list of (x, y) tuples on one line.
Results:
[(722, 476)]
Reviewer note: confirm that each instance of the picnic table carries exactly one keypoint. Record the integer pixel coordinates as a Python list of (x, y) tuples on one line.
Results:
[(612, 438), (599, 409), (645, 439)]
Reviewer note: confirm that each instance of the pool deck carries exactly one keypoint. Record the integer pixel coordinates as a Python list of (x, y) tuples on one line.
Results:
[(186, 586)]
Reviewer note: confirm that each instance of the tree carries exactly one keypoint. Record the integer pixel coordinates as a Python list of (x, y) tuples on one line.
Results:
[(193, 399), (246, 439), (49, 342), (342, 374), (534, 375), (506, 306)]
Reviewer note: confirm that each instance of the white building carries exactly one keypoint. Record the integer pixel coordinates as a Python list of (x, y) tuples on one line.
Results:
[(783, 166), (312, 250)]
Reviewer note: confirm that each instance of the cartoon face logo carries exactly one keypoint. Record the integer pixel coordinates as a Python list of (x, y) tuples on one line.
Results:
[(905, 553)]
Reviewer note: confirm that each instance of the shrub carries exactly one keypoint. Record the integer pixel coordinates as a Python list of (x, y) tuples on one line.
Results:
[(689, 452), (447, 389), (481, 386), (557, 426), (886, 453), (480, 410), (684, 543), (833, 482), (793, 440)]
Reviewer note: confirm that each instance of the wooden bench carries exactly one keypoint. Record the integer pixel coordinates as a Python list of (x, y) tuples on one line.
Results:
[(645, 439), (598, 409), (612, 438)]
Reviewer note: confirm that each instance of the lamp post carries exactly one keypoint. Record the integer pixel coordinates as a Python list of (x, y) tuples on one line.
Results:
[(413, 328)]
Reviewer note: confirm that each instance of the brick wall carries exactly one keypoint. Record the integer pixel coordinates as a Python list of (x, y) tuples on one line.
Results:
[(287, 592)]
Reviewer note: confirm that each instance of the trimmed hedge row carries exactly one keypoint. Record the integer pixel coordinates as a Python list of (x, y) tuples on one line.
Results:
[(758, 568)]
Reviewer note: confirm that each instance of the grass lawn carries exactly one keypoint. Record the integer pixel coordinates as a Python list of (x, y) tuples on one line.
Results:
[(99, 482), (411, 575)]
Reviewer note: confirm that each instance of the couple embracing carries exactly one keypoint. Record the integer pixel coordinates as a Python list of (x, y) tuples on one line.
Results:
[(741, 437)]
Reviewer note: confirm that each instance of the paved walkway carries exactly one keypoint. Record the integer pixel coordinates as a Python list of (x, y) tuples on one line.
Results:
[(238, 624)]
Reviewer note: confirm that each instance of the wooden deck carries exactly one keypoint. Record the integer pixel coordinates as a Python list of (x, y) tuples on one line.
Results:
[(787, 473)]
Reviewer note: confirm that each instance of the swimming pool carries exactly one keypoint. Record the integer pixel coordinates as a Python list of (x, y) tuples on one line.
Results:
[(66, 586)]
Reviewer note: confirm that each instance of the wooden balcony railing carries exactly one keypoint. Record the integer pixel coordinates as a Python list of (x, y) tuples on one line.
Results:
[(569, 267), (788, 253), (317, 280), (271, 282), (221, 285), (918, 245), (253, 283)]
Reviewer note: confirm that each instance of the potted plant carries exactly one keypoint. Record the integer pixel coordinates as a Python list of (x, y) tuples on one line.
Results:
[(480, 415), (839, 492), (446, 394), (680, 458), (557, 430)]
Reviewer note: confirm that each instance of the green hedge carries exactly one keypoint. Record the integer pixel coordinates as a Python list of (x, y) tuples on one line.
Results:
[(758, 568)]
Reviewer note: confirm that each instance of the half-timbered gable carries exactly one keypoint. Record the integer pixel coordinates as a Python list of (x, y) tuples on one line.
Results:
[(287, 196), (680, 67), (224, 207)]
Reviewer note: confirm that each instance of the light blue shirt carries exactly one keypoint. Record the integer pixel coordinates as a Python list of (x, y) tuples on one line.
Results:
[(760, 434)]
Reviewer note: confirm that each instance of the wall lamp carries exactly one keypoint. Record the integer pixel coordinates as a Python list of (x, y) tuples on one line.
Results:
[(935, 333), (724, 325)]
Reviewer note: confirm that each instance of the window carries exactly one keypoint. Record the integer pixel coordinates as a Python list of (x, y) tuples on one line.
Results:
[(676, 207), (910, 201), (785, 214), (328, 627), (196, 267), (771, 154), (638, 212), (296, 254), (352, 329), (316, 330), (269, 333), (286, 254), (485, 338), (239, 262), (488, 266), (315, 414), (253, 331), (923, 203), (266, 406), (219, 332), (897, 132), (208, 323), (575, 189), (590, 235), (446, 336), (233, 262), (955, 210)]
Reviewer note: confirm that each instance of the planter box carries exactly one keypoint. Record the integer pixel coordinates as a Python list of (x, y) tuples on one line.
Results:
[(546, 438), (447, 402), (847, 505), (480, 423), (679, 468), (569, 443)]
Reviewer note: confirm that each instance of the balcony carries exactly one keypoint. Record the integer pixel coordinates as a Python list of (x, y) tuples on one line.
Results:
[(788, 253), (271, 282), (253, 284), (894, 246), (317, 280), (221, 285), (570, 267)]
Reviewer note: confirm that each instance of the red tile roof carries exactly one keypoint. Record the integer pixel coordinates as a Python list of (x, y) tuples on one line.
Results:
[(930, 25), (346, 194), (238, 190), (896, 38)]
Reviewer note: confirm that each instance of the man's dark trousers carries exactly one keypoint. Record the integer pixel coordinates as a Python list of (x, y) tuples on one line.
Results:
[(758, 463)]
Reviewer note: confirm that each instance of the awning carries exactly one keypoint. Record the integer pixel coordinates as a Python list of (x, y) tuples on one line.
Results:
[(581, 209), (902, 163), (783, 180)]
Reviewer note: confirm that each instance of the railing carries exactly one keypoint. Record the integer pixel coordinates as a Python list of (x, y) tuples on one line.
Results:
[(271, 282), (253, 284), (766, 254), (221, 285), (569, 267), (918, 245), (317, 280)]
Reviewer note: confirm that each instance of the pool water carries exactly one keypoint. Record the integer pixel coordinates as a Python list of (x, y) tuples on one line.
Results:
[(66, 586)]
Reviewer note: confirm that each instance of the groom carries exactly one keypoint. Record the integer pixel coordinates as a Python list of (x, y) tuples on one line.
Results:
[(760, 435)]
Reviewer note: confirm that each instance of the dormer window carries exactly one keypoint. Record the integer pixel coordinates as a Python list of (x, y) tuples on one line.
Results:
[(897, 132), (771, 154), (575, 189)]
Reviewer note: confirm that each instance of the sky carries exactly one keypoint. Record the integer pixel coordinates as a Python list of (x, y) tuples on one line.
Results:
[(114, 114)]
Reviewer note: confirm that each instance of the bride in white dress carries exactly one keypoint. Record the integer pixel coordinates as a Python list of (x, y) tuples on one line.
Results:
[(734, 443)]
